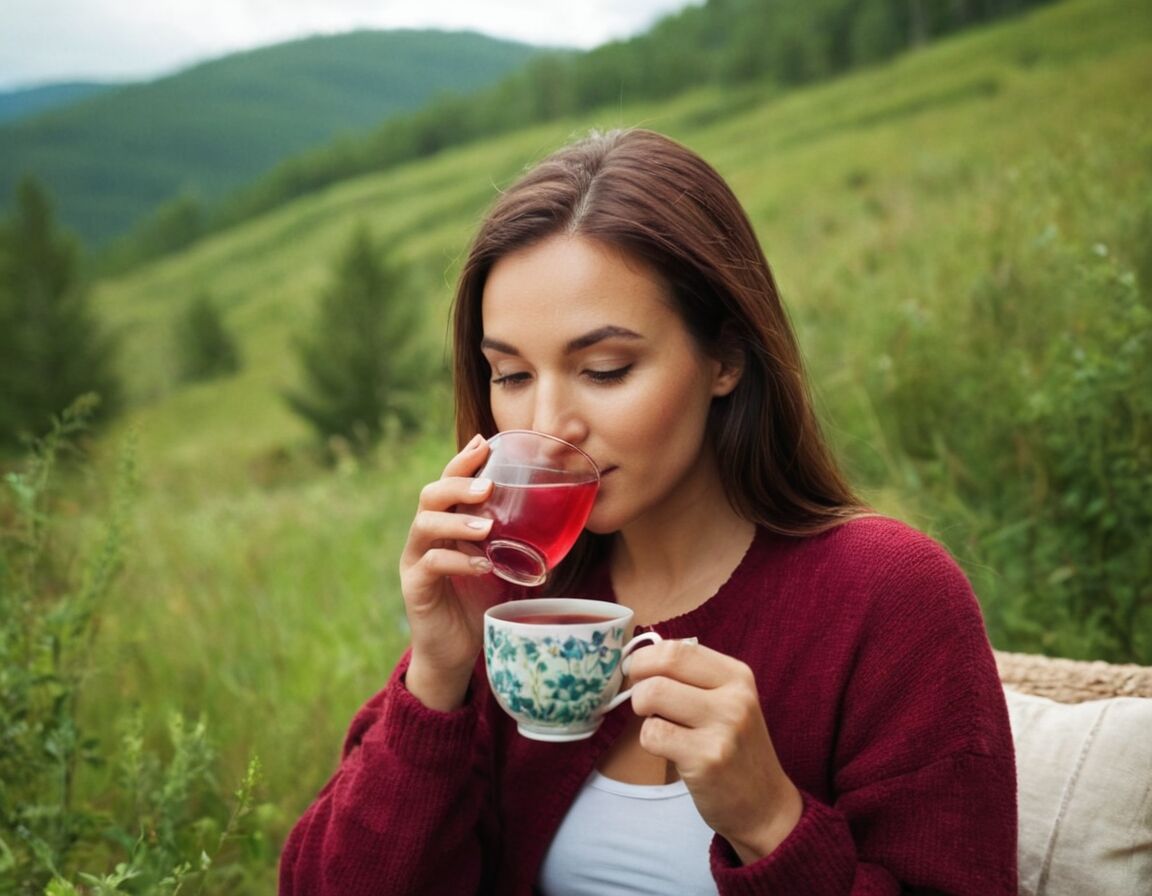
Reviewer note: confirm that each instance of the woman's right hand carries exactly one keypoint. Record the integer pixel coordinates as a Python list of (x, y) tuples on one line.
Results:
[(446, 626)]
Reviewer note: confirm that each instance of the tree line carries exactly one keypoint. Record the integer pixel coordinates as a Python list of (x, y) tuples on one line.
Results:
[(360, 366), (722, 42)]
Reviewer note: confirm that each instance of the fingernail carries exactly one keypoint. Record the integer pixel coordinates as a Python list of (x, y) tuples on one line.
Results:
[(479, 485), (477, 441), (481, 563), (480, 525)]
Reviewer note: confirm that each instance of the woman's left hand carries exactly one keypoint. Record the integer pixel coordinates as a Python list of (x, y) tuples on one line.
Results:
[(703, 715)]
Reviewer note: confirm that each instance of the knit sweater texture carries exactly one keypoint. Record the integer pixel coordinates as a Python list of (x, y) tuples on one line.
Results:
[(879, 689)]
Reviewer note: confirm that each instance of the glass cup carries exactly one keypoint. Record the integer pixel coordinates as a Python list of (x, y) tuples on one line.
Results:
[(555, 665), (543, 490)]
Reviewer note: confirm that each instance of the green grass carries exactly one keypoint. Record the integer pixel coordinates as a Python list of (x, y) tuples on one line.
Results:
[(937, 225)]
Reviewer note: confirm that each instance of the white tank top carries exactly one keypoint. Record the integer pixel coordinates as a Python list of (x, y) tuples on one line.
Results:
[(627, 840)]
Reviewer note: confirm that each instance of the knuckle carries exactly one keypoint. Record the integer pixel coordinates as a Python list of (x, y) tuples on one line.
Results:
[(717, 752), (421, 523), (654, 734), (641, 704), (647, 695)]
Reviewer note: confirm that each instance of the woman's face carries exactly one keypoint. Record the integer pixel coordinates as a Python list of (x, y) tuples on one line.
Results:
[(584, 343)]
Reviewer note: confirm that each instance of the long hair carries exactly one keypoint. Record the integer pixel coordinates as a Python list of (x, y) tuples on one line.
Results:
[(648, 196)]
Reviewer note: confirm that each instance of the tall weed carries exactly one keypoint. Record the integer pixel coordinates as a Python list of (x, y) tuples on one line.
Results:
[(156, 823)]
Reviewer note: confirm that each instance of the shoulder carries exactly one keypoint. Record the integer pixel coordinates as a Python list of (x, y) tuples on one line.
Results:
[(881, 538), (879, 579), (869, 552)]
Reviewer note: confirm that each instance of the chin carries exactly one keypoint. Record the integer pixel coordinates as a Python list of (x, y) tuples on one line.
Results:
[(601, 524)]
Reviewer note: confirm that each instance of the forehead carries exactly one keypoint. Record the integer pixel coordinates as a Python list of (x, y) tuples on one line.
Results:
[(567, 283)]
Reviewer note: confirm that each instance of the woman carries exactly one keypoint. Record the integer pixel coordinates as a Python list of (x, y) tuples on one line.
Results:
[(839, 728)]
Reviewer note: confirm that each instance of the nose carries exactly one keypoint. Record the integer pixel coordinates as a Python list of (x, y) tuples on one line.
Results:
[(555, 413)]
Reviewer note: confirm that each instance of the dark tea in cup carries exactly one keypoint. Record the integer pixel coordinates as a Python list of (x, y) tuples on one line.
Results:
[(555, 664)]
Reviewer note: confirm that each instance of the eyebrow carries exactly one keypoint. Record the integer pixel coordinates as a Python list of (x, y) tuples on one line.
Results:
[(574, 345)]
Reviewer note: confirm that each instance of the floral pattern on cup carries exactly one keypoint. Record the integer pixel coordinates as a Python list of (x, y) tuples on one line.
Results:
[(554, 681)]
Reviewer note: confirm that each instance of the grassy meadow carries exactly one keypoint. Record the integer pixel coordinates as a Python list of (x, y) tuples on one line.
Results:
[(964, 238)]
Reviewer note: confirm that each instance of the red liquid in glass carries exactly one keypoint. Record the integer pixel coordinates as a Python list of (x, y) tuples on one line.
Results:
[(549, 516)]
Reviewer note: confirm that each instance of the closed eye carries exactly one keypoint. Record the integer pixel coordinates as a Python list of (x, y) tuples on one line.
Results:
[(608, 377), (511, 380)]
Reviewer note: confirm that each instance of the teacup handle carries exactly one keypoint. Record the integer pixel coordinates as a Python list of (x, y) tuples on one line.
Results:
[(642, 638)]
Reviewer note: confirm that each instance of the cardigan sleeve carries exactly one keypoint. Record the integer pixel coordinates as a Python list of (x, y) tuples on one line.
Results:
[(931, 850), (923, 798), (405, 811)]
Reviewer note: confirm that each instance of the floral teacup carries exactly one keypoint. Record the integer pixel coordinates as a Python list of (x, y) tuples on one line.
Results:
[(554, 664)]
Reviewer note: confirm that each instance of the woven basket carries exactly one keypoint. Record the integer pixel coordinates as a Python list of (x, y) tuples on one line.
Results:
[(1072, 681)]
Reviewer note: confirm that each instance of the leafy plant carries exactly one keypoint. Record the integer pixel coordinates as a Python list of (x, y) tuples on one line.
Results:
[(1091, 428), (51, 821), (47, 619)]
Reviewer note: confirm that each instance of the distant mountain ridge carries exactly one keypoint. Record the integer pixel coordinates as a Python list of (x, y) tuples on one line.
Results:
[(24, 102), (114, 156)]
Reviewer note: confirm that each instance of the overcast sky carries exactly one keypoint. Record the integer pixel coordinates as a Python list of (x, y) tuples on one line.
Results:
[(56, 40)]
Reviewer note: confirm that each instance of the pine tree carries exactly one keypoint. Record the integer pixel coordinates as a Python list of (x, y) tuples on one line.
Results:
[(360, 361), (204, 347), (51, 347)]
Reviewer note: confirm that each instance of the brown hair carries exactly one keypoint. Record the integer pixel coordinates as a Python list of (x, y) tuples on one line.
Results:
[(649, 196)]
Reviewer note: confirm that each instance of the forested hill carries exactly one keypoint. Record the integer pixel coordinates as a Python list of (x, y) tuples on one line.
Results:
[(114, 157), (775, 43)]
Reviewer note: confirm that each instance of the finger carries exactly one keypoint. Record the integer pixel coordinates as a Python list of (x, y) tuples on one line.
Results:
[(438, 563), (434, 528), (675, 701), (696, 752), (683, 661), (666, 739), (469, 459), (444, 494)]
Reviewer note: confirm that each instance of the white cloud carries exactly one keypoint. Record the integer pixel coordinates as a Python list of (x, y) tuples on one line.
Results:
[(52, 40)]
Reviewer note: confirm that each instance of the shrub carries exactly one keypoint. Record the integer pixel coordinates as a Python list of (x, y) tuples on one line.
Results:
[(204, 347)]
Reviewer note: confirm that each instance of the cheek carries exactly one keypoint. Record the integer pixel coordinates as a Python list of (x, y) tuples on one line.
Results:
[(507, 413), (672, 411)]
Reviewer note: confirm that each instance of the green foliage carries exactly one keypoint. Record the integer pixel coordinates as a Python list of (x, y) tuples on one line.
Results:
[(43, 626), (51, 347), (204, 347), (52, 595), (1027, 412), (1084, 555), (361, 361)]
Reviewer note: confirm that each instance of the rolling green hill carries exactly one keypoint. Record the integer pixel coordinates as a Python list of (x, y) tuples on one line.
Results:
[(114, 157), (963, 237), (847, 156)]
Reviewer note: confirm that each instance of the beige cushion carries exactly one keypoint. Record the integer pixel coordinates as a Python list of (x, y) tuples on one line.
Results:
[(1085, 781)]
